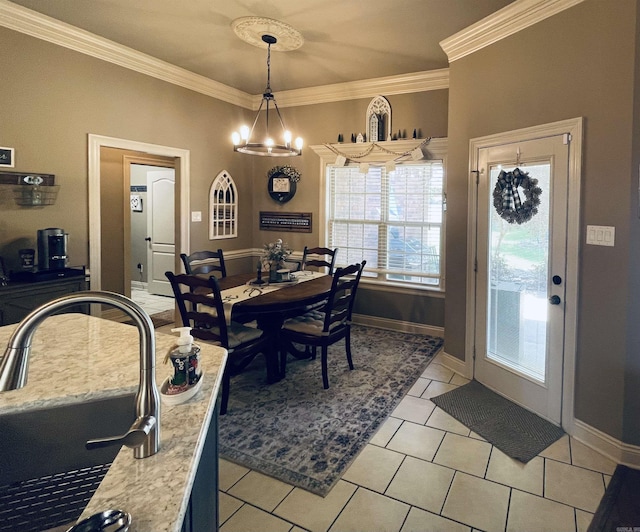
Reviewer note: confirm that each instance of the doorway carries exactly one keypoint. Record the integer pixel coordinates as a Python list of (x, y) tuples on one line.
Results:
[(150, 249), (524, 265), (182, 178)]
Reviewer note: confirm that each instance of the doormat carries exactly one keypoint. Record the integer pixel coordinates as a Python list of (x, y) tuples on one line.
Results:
[(619, 508), (514, 430), (300, 433)]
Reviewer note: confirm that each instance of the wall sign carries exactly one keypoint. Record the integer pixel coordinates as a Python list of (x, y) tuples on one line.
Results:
[(7, 157), (296, 222)]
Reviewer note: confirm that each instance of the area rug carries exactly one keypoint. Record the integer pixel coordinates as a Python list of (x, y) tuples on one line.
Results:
[(302, 434), (619, 508), (514, 430), (163, 318)]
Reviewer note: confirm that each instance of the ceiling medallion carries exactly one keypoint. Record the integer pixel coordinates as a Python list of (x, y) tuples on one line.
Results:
[(252, 29)]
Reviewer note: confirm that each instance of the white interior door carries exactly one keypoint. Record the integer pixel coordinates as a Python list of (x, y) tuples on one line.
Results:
[(521, 276), (160, 223)]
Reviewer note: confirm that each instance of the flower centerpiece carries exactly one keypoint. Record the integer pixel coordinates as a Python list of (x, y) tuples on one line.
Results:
[(274, 255)]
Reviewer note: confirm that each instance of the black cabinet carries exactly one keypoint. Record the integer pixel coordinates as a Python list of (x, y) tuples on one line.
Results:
[(202, 512), (18, 299)]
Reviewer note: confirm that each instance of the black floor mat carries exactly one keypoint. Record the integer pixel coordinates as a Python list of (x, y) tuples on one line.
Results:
[(514, 430)]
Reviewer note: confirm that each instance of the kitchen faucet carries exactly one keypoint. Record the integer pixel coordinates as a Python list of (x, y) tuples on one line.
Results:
[(144, 434)]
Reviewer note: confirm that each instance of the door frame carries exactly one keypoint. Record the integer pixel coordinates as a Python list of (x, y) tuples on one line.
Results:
[(573, 127), (182, 167)]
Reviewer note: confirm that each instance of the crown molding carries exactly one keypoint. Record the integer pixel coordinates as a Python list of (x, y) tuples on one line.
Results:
[(37, 25), (428, 80), (29, 22), (509, 20)]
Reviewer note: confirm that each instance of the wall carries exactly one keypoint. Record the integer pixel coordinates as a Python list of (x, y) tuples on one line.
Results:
[(320, 124), (47, 122), (577, 63), (51, 98)]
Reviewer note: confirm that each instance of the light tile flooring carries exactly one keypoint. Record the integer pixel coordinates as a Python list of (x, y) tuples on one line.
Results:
[(152, 303), (423, 471)]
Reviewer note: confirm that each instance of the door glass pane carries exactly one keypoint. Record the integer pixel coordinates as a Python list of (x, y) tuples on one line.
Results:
[(518, 272)]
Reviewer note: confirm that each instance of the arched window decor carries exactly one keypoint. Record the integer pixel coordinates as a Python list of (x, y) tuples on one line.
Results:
[(223, 207), (378, 126)]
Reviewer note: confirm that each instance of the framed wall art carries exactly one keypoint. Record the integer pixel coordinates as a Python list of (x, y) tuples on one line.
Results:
[(7, 157)]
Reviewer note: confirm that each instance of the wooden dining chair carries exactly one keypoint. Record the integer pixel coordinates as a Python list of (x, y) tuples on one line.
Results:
[(319, 257), (201, 308), (203, 262), (324, 327)]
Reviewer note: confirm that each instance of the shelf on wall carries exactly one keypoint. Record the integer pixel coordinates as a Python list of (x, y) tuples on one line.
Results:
[(31, 189)]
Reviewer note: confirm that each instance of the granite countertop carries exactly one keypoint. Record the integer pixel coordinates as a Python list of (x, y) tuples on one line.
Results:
[(78, 358)]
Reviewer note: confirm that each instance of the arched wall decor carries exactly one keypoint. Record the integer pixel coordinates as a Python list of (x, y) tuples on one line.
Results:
[(223, 207), (378, 124)]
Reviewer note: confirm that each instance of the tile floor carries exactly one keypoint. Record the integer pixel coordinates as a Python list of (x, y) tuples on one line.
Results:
[(423, 471), (152, 303)]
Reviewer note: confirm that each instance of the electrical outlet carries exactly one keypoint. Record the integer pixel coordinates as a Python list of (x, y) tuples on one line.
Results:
[(140, 267), (196, 216)]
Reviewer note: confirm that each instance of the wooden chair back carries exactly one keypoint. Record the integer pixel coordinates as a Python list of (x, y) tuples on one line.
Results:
[(203, 262), (319, 257), (201, 307)]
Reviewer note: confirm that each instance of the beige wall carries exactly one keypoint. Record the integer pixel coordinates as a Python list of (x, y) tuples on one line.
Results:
[(57, 97), (577, 63), (319, 124), (51, 98)]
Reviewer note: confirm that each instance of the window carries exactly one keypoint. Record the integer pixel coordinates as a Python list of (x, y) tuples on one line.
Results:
[(392, 218), (223, 207)]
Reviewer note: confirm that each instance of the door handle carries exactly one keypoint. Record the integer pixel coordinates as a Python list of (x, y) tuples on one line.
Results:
[(554, 300), (148, 239)]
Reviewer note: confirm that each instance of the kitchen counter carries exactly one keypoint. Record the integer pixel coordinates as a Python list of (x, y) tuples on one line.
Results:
[(77, 358)]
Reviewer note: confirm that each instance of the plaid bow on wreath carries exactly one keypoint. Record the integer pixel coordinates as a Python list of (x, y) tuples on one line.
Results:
[(506, 198)]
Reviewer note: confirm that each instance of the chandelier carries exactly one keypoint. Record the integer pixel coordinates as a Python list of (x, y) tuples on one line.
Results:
[(244, 140)]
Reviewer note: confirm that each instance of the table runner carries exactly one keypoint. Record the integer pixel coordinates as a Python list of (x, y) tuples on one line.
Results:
[(234, 295)]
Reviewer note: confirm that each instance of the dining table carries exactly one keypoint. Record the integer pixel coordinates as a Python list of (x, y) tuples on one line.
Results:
[(270, 304)]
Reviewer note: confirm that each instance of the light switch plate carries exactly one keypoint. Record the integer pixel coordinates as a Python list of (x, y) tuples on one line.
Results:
[(601, 235), (196, 216)]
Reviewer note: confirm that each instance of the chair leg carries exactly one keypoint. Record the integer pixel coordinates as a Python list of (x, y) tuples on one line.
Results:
[(325, 375), (283, 359), (347, 342), (226, 382)]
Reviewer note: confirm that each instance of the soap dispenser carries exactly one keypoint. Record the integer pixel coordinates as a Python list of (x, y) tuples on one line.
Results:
[(185, 357)]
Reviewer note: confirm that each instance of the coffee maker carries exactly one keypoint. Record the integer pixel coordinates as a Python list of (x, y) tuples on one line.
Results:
[(52, 249)]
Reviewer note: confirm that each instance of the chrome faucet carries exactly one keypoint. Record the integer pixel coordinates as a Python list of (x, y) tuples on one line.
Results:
[(144, 435)]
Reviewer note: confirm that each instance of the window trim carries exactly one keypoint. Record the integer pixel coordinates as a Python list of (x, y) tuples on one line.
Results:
[(435, 149)]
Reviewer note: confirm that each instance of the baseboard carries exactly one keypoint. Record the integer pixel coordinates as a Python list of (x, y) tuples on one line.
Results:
[(616, 450), (397, 325), (138, 285), (454, 364)]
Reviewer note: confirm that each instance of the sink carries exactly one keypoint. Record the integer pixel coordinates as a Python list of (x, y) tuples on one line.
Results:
[(47, 476)]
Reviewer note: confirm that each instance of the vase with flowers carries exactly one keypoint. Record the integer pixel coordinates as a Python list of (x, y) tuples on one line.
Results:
[(274, 256)]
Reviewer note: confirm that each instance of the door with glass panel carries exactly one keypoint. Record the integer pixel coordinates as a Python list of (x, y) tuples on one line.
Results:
[(521, 265)]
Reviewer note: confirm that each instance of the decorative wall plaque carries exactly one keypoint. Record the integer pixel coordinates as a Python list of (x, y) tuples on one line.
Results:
[(295, 222)]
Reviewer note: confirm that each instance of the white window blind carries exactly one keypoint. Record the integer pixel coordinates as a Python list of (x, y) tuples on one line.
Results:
[(393, 219)]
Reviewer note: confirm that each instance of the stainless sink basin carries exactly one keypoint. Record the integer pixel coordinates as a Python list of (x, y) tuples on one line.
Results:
[(46, 474)]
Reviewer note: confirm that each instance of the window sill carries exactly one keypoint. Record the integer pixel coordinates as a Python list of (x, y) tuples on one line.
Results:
[(401, 288)]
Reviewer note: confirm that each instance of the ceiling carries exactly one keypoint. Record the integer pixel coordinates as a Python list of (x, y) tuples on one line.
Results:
[(344, 40)]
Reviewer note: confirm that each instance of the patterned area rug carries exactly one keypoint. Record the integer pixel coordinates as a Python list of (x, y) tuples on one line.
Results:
[(162, 318), (297, 431), (517, 432)]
